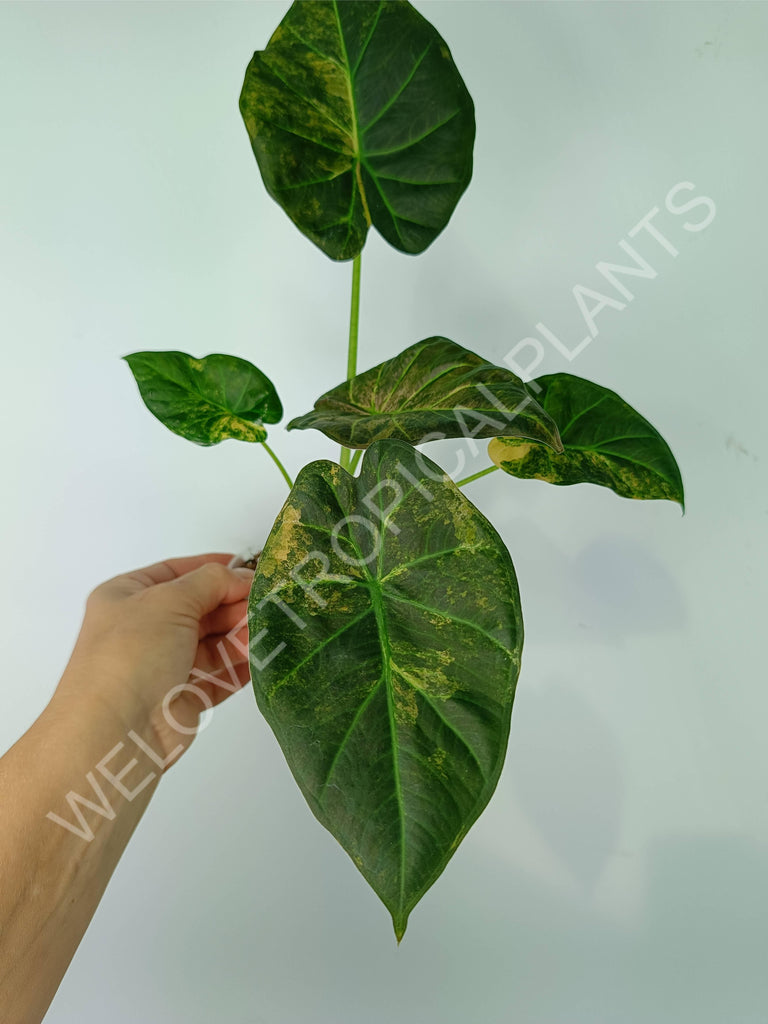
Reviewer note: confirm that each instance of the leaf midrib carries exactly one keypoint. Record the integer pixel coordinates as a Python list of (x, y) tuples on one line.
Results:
[(386, 679), (353, 107)]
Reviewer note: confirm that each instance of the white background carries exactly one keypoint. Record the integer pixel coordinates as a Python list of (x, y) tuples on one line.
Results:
[(619, 874)]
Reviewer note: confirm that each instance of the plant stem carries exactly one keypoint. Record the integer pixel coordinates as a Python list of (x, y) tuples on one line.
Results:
[(354, 320), (279, 465), (354, 460), (476, 476)]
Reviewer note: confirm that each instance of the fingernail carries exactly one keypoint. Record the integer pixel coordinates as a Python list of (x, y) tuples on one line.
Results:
[(246, 574)]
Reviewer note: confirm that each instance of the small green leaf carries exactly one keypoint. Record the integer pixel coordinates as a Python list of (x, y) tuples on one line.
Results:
[(206, 400), (433, 389), (385, 647), (357, 116), (606, 442)]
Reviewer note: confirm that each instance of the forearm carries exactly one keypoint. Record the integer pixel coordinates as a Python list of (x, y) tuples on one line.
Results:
[(51, 879), (74, 787)]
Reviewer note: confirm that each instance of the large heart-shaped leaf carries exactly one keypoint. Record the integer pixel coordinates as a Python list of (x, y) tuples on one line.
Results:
[(606, 442), (433, 389), (358, 116), (385, 646), (206, 400)]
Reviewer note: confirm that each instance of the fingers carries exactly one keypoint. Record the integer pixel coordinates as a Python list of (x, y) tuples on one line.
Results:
[(218, 653), (241, 674), (161, 572), (203, 589), (173, 568), (224, 619), (227, 683)]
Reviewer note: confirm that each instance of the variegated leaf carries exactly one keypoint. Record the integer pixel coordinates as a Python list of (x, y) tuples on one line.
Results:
[(206, 400), (357, 116), (385, 646), (605, 440), (434, 389)]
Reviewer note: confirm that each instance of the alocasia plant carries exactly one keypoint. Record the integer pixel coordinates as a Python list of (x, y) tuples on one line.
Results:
[(384, 618)]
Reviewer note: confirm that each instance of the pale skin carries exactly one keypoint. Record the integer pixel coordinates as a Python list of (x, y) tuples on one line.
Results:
[(146, 636)]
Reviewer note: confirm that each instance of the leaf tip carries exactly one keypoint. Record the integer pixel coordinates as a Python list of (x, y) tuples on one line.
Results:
[(400, 923), (678, 494)]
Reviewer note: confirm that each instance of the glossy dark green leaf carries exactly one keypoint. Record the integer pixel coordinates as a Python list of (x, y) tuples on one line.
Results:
[(385, 646), (206, 400), (433, 389), (606, 442), (358, 116)]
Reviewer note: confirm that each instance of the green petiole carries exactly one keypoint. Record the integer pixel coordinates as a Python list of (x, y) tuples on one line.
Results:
[(279, 465), (354, 320)]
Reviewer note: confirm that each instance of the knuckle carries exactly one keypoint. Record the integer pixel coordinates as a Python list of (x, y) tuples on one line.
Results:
[(98, 595), (215, 572)]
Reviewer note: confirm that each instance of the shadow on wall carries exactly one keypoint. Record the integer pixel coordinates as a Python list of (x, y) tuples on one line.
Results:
[(695, 954), (613, 588), (628, 588), (566, 771)]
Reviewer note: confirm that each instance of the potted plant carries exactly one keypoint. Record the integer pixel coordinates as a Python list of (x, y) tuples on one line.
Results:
[(385, 621)]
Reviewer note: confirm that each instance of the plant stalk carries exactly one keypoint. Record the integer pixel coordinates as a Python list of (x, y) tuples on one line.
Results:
[(354, 320), (279, 465), (354, 460), (476, 476)]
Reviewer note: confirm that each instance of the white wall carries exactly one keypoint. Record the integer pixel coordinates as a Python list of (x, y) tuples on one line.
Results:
[(618, 875)]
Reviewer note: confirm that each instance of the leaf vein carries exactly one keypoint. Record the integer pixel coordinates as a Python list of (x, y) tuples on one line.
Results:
[(373, 28), (348, 733), (319, 647), (453, 618), (399, 92), (413, 142)]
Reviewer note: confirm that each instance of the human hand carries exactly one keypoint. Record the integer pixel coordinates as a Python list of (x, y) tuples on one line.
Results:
[(157, 647), (160, 645)]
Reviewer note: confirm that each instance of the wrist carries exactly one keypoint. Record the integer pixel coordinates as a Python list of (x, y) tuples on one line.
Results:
[(102, 715), (109, 746), (96, 685), (113, 716)]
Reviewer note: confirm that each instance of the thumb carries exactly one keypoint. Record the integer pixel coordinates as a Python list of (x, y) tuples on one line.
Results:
[(203, 589)]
